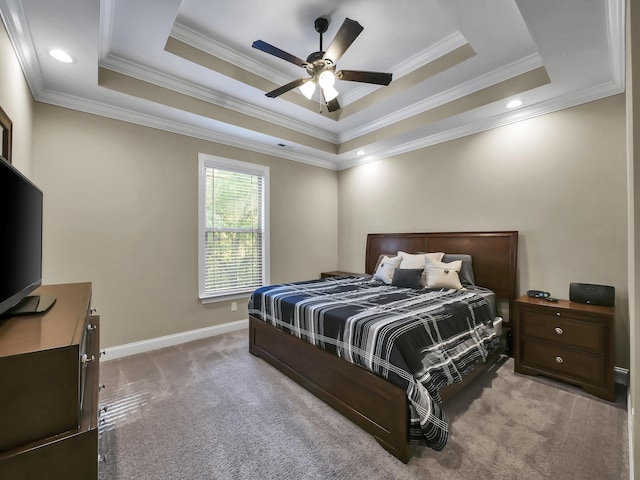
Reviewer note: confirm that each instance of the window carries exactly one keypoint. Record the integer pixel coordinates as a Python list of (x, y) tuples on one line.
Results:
[(233, 228)]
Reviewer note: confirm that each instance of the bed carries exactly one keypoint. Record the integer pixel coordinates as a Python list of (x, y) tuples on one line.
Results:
[(375, 404)]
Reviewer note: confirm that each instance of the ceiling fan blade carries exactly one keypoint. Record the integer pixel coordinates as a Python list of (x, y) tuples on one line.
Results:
[(285, 88), (378, 78), (275, 51), (332, 105), (348, 32)]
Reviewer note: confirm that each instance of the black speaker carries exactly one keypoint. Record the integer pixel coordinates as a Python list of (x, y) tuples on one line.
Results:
[(601, 295)]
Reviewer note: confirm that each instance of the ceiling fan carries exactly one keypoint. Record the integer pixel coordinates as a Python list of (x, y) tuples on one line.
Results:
[(321, 65)]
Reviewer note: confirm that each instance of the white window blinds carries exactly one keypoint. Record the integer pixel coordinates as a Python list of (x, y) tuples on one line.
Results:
[(233, 227)]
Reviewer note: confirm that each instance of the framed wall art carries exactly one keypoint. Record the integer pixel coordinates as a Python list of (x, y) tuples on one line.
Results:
[(6, 130)]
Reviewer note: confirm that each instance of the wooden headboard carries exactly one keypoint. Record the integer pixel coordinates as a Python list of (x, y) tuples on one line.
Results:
[(495, 254)]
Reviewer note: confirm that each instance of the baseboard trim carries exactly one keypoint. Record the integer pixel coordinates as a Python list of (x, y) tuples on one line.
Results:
[(169, 340), (621, 375), (630, 415)]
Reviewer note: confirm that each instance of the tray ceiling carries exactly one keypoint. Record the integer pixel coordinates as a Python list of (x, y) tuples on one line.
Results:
[(188, 67)]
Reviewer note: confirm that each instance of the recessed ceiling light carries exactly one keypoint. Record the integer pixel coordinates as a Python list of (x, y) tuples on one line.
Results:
[(360, 152), (514, 103), (61, 56)]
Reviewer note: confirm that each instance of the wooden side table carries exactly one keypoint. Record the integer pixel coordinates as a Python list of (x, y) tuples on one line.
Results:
[(568, 341)]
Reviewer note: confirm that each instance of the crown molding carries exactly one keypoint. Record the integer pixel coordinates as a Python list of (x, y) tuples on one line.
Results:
[(213, 47), (568, 100), (516, 68), (437, 50), (616, 22), (19, 32), (105, 27), (151, 75), (152, 121)]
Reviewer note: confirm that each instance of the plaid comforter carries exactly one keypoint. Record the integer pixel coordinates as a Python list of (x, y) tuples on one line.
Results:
[(420, 340)]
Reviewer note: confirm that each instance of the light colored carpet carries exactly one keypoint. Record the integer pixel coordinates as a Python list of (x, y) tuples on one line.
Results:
[(210, 410)]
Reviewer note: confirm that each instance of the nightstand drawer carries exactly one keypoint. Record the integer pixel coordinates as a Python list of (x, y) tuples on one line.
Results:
[(581, 366), (564, 331)]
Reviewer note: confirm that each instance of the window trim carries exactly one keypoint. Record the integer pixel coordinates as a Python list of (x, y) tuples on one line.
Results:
[(211, 161)]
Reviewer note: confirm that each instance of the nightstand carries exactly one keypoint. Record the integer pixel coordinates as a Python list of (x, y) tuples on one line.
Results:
[(336, 273), (568, 341)]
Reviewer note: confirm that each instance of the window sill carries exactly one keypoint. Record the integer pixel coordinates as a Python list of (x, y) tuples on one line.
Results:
[(225, 298)]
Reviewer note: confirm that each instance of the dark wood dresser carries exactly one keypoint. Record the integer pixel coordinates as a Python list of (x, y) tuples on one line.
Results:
[(568, 341), (49, 389)]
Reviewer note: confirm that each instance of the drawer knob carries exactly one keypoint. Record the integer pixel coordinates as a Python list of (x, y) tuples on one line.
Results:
[(90, 327), (559, 331), (87, 359), (559, 360), (558, 314)]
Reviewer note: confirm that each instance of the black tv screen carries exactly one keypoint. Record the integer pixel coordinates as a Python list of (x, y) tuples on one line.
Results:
[(20, 236)]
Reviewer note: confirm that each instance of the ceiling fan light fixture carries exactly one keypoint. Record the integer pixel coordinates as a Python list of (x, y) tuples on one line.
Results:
[(308, 88), (327, 79), (329, 93)]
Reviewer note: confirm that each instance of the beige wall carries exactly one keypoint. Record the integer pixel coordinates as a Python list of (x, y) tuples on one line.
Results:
[(121, 211), (559, 179), (17, 102)]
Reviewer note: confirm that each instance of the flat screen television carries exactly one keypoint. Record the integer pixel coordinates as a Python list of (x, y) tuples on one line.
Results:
[(20, 244)]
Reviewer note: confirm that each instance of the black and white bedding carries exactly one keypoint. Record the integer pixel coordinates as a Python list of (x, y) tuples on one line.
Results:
[(418, 339)]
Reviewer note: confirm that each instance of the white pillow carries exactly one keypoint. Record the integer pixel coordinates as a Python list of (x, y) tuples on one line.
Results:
[(385, 270), (419, 260), (443, 275)]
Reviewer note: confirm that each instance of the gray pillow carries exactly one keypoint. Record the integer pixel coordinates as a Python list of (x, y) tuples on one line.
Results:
[(407, 277), (466, 272)]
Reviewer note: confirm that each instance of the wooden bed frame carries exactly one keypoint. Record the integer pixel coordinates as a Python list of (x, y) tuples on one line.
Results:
[(377, 406)]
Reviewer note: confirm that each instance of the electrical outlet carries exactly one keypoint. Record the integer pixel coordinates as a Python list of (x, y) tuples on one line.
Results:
[(234, 306)]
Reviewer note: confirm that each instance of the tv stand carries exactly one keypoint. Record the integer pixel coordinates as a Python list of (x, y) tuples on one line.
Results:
[(31, 305), (49, 367)]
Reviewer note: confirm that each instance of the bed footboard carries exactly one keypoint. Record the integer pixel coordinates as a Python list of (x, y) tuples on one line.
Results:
[(375, 405)]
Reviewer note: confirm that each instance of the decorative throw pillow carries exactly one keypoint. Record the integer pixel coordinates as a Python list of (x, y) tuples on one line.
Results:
[(444, 275), (419, 260), (407, 277), (380, 258), (466, 272), (386, 267)]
